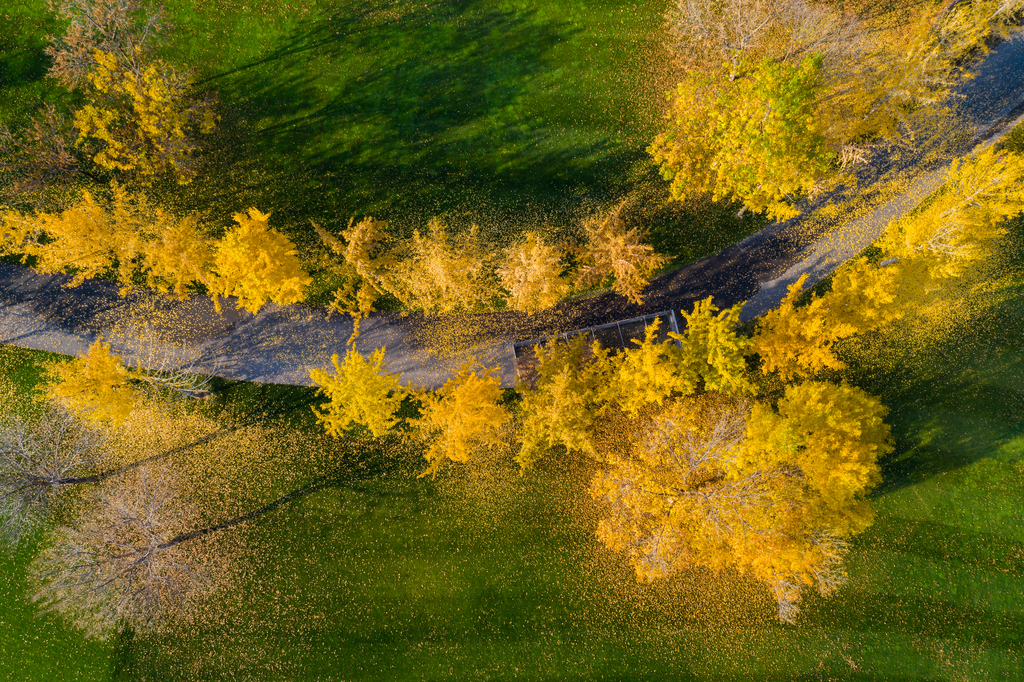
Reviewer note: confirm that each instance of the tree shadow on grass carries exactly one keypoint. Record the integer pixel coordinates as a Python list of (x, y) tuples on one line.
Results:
[(427, 113)]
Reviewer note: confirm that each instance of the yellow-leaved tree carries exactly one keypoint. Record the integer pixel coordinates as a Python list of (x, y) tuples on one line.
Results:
[(256, 263), (84, 238), (648, 372), (440, 273), (360, 391), (777, 97), (747, 132), (959, 225), (715, 481), (365, 268), (835, 434), (563, 405), (532, 274), (143, 117), (127, 232), (614, 251), (712, 350), (798, 341), (462, 417), (95, 386), (177, 255)]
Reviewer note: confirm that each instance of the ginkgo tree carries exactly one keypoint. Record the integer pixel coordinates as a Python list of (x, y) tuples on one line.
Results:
[(143, 118), (463, 417), (776, 97), (130, 235), (360, 391), (256, 263)]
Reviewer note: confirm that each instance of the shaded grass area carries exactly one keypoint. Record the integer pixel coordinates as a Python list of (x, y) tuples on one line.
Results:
[(382, 576), (514, 114)]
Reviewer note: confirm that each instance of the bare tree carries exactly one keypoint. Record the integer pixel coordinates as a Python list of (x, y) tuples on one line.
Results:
[(37, 461), (123, 27), (124, 562), (131, 558), (43, 153), (707, 33), (41, 458), (156, 364)]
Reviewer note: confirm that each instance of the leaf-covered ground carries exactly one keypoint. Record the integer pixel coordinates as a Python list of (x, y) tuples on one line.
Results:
[(378, 575)]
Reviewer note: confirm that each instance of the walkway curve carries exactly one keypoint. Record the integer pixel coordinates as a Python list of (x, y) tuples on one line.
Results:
[(282, 343)]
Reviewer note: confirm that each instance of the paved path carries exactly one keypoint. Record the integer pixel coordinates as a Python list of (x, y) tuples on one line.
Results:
[(282, 343)]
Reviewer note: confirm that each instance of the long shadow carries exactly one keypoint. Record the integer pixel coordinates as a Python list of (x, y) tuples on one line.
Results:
[(427, 115), (943, 543), (905, 614)]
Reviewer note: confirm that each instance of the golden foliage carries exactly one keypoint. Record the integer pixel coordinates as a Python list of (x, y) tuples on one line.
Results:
[(256, 263), (95, 386), (360, 391), (83, 237), (712, 481), (366, 266), (252, 261), (177, 255), (563, 406), (961, 223), (648, 373), (711, 349), (463, 417), (746, 132), (798, 341), (143, 118), (779, 96), (532, 274), (443, 274), (613, 251), (835, 434)]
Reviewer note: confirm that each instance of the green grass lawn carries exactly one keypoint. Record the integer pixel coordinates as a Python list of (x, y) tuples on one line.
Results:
[(383, 576)]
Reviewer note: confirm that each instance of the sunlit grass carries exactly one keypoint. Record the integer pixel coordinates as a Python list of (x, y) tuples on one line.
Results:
[(380, 575)]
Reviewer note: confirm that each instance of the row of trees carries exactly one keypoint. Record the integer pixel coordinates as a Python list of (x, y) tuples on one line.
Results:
[(437, 272), (140, 242), (715, 447), (142, 121), (718, 447)]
